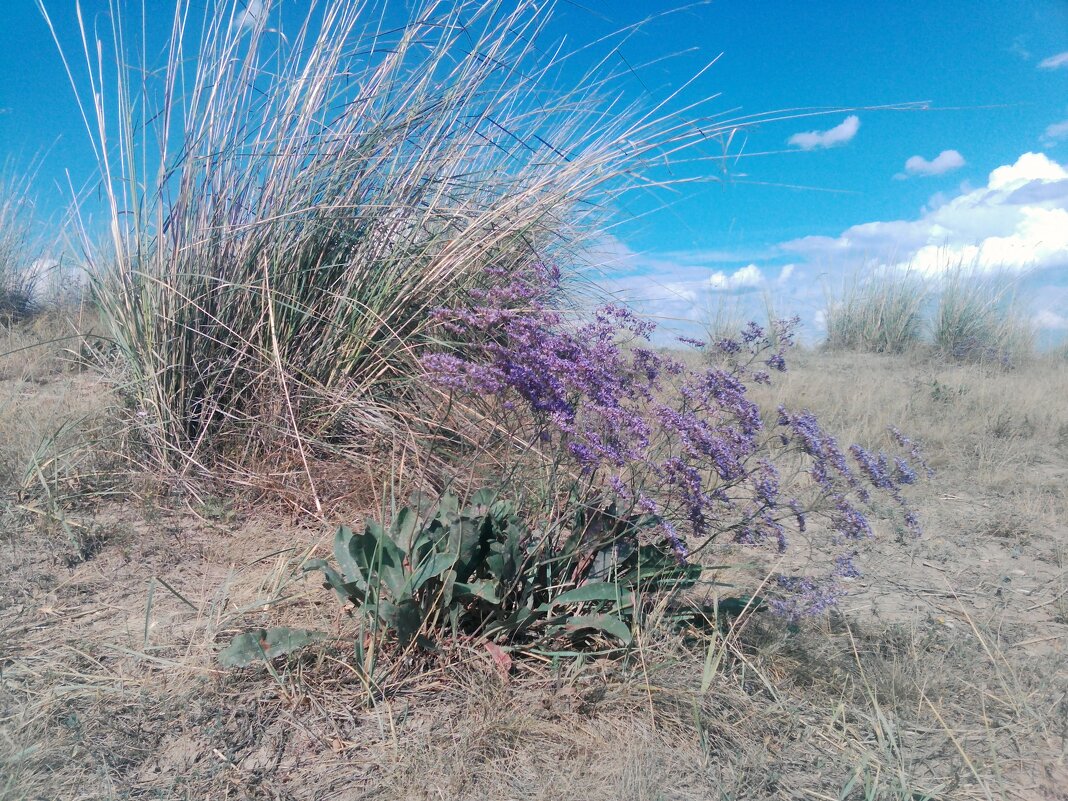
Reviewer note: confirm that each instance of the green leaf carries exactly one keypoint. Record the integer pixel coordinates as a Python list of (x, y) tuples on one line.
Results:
[(376, 558), (262, 644), (351, 567), (468, 540), (405, 529), (432, 567), (609, 624), (405, 618), (486, 590), (482, 500), (448, 506), (593, 591), (346, 591)]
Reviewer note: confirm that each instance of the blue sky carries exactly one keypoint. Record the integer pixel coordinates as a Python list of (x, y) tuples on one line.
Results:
[(857, 188)]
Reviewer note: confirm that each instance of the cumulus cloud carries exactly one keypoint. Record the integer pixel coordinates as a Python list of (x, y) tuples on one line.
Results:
[(1018, 221), (748, 278), (1054, 62), (946, 161), (1055, 132), (838, 135), (1049, 320)]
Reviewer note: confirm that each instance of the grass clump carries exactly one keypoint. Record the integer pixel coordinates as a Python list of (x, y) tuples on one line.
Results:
[(977, 319), (966, 314), (882, 314), (299, 204)]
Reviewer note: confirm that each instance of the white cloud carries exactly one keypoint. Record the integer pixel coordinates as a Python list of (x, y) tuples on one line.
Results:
[(1054, 62), (748, 277), (1018, 221), (944, 162), (785, 273), (819, 320), (1055, 132), (1048, 320), (838, 135), (1030, 167), (251, 16)]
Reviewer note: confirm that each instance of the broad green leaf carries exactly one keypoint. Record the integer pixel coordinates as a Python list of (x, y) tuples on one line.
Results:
[(378, 558), (263, 644), (448, 506), (594, 591), (346, 591), (432, 567), (343, 552), (405, 529), (468, 540), (482, 500), (609, 624), (404, 618), (486, 590)]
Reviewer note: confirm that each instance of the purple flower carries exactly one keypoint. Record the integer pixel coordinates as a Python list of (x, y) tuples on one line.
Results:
[(804, 596), (684, 446)]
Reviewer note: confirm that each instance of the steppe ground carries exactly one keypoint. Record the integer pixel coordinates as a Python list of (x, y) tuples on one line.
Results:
[(943, 677)]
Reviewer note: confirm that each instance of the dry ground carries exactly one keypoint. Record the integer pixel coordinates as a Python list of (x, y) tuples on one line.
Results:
[(944, 676)]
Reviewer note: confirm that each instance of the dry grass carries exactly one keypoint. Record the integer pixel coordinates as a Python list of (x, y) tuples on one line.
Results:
[(943, 677)]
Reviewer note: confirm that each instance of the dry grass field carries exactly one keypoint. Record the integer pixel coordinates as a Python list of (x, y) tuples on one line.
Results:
[(350, 264), (942, 676)]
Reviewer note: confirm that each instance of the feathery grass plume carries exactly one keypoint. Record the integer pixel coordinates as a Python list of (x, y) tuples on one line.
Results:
[(285, 209), (878, 313), (978, 318)]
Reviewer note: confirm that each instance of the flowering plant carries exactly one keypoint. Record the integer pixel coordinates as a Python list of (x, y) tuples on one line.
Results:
[(623, 422)]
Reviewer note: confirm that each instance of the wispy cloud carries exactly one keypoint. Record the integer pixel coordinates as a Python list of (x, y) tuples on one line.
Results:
[(838, 135), (1054, 62), (1055, 132), (1019, 48), (946, 161)]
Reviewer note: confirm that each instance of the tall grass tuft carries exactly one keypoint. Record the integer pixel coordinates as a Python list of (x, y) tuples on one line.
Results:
[(881, 313), (978, 319), (286, 211)]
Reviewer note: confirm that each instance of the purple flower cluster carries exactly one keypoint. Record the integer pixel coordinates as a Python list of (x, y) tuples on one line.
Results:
[(687, 446)]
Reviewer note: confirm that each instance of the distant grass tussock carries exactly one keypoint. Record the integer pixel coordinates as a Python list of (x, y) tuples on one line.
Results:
[(881, 315), (967, 314), (977, 319)]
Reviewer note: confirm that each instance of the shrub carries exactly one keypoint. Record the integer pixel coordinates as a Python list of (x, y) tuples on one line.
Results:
[(882, 314), (309, 200)]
